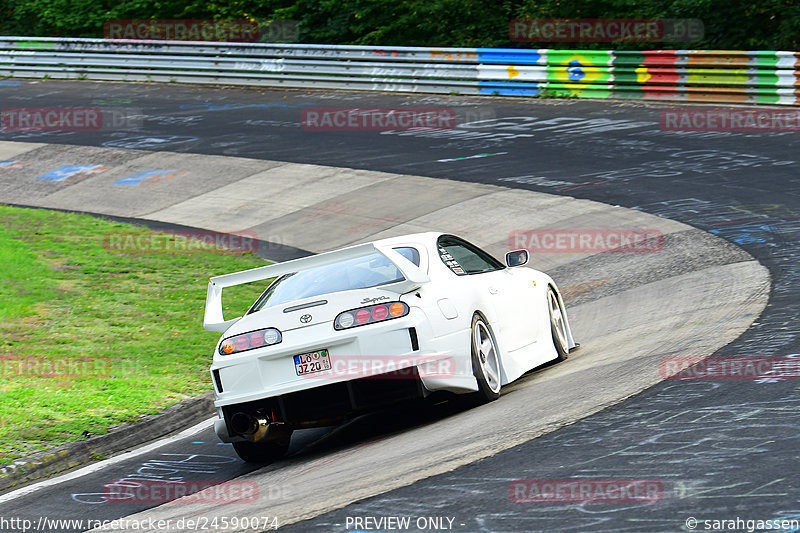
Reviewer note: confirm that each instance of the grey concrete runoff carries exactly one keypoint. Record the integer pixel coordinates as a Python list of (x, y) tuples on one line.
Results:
[(629, 311)]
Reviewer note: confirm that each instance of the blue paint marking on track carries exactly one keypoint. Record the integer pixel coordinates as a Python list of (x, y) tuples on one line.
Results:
[(744, 233), (10, 83), (143, 175), (67, 171)]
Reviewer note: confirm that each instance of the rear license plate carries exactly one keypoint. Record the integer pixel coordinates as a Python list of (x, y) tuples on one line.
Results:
[(309, 363)]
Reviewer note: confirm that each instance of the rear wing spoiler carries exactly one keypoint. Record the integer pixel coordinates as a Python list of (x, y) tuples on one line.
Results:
[(214, 321)]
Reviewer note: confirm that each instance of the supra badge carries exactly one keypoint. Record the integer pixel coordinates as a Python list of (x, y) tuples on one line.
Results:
[(305, 319)]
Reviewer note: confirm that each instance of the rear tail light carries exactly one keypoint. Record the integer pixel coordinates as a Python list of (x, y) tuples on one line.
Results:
[(380, 312), (249, 341), (362, 316), (370, 315)]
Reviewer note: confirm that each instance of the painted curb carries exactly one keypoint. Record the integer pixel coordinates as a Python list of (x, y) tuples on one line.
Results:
[(57, 460)]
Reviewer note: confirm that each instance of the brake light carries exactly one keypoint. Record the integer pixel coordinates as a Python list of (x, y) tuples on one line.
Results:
[(362, 316), (379, 312), (256, 339), (370, 315), (250, 340), (241, 343)]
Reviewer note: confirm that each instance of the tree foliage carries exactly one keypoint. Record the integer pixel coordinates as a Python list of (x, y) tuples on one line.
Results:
[(729, 24)]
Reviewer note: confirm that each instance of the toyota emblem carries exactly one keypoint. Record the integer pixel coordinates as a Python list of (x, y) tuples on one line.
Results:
[(305, 319)]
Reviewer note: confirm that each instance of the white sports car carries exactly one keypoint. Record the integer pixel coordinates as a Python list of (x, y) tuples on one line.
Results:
[(346, 331)]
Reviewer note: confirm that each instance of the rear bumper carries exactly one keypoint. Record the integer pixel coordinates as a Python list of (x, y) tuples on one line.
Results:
[(266, 380), (325, 405)]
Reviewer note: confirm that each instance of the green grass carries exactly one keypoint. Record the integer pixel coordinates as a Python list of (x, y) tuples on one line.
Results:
[(92, 337)]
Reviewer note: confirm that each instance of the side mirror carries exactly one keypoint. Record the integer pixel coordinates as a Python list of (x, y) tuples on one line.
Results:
[(516, 258)]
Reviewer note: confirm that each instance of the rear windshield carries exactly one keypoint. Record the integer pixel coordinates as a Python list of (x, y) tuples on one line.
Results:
[(360, 273)]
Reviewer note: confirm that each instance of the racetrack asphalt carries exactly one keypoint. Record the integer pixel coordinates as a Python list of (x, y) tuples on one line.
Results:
[(719, 449)]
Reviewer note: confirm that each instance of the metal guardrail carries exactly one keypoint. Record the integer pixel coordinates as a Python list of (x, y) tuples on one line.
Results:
[(755, 77)]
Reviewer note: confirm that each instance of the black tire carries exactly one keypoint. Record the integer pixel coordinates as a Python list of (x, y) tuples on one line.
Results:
[(558, 327), (485, 361), (265, 451)]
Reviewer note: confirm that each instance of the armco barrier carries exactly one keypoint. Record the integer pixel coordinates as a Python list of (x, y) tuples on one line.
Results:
[(756, 77)]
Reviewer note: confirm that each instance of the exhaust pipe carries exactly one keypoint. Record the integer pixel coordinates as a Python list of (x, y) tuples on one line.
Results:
[(253, 428)]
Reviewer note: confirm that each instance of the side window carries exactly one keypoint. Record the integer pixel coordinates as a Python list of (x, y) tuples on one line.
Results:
[(412, 254), (463, 258)]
